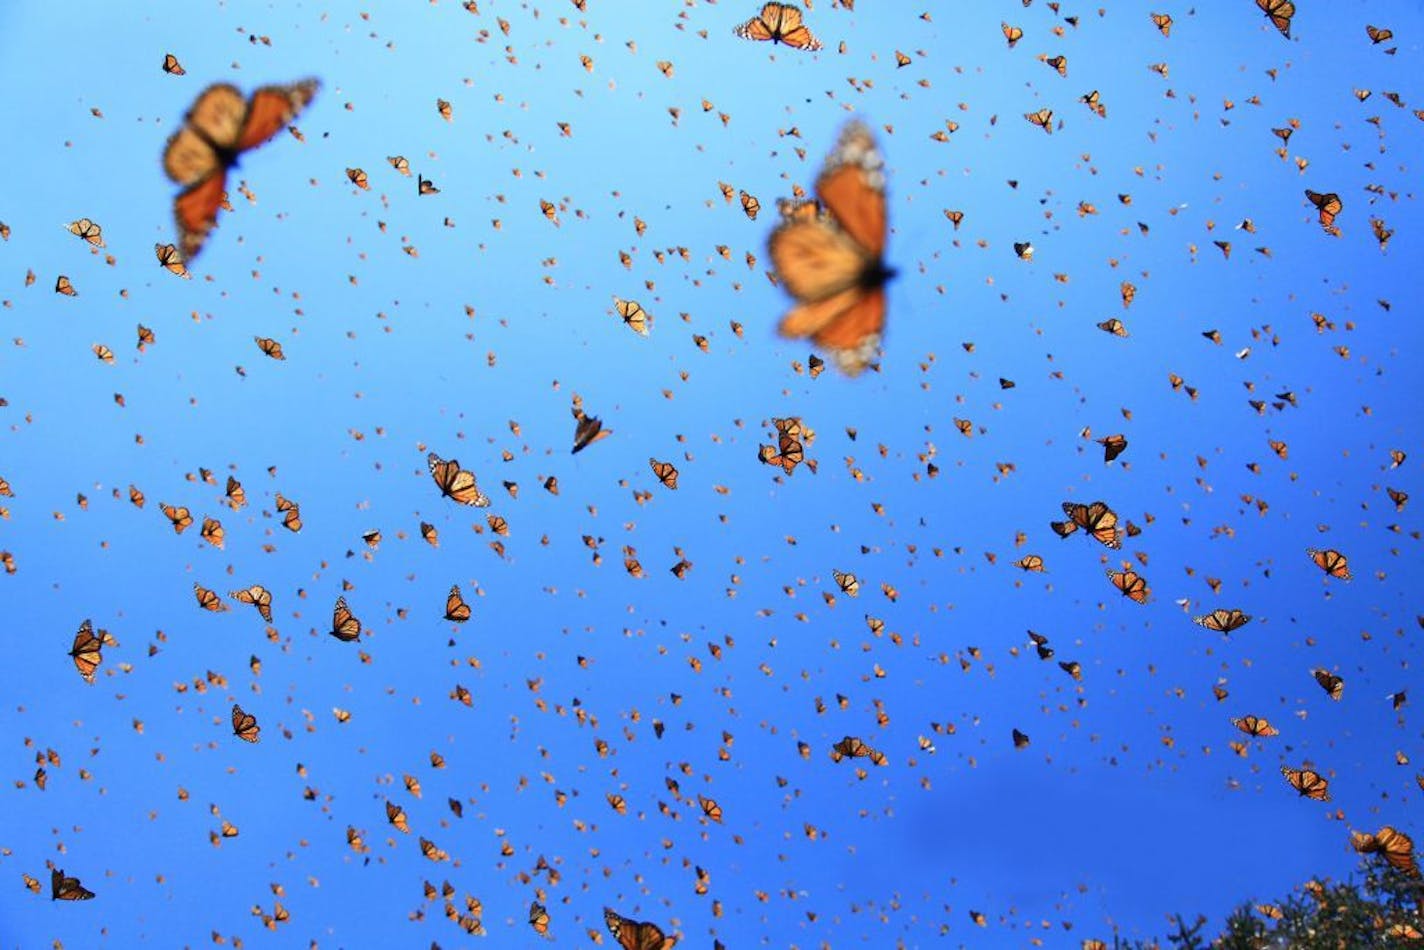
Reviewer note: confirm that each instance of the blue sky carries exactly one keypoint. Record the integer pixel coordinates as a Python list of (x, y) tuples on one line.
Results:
[(1127, 805)]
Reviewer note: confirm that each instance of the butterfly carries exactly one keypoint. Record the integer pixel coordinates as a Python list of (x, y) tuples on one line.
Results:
[(63, 286), (270, 347), (1163, 22), (1328, 205), (1223, 621), (828, 255), (219, 127), (87, 651), (710, 808), (1333, 685), (779, 23), (244, 725), (1255, 726), (395, 814), (1012, 34), (634, 316), (1043, 118), (751, 207), (1330, 561), (171, 260), (256, 596), (588, 430), (63, 888), (1113, 446), (207, 599), (636, 935), (88, 231), (1379, 35), (456, 610), (1308, 782), (665, 471), (1395, 847), (1131, 585), (848, 583), (539, 918), (172, 66), (344, 625), (1279, 12), (1097, 518), (455, 482)]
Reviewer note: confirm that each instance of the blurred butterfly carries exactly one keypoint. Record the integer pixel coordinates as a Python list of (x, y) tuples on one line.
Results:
[(244, 725), (588, 430), (1333, 685), (848, 583), (1043, 118), (455, 482), (456, 610), (1012, 34), (87, 651), (63, 888), (1163, 22), (1308, 783), (830, 259), (172, 66), (344, 626), (1379, 35), (1113, 446), (539, 919), (779, 23), (395, 814), (636, 935), (219, 127)]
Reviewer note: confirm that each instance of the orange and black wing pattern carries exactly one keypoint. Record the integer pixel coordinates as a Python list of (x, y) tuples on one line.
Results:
[(219, 127), (779, 23)]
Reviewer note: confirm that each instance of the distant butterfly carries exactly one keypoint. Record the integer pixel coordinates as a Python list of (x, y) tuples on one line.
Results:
[(88, 231), (830, 259), (665, 471), (1327, 205), (1307, 783), (171, 260), (244, 725), (779, 23), (1163, 22), (344, 626), (634, 316), (1255, 726), (455, 482), (1379, 35), (1012, 34), (181, 518), (588, 430), (1043, 118), (256, 596), (1333, 685), (207, 599), (63, 888), (1131, 585), (219, 127), (172, 66), (636, 935), (1113, 446), (539, 918)]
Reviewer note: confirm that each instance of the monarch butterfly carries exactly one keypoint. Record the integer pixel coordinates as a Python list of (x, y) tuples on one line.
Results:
[(1020, 739), (1279, 12), (634, 316), (291, 513), (344, 625), (539, 918), (1395, 847), (750, 206), (63, 286), (443, 107), (1163, 22), (779, 23), (1333, 685), (588, 430), (635, 934), (1011, 33), (850, 747), (429, 849), (1330, 561), (1113, 446), (1030, 562), (1059, 64), (848, 583), (1379, 35), (212, 532), (103, 353), (1043, 118), (1223, 621), (665, 67), (218, 128), (63, 888), (1114, 326), (1131, 585), (424, 186), (1255, 726), (244, 725), (831, 261), (172, 66), (666, 473), (1308, 783), (1328, 205), (257, 596), (618, 803), (456, 610), (181, 518), (171, 260), (455, 482), (87, 651), (395, 814), (270, 347), (1023, 250), (207, 599), (87, 230), (710, 808), (400, 164), (1097, 518)]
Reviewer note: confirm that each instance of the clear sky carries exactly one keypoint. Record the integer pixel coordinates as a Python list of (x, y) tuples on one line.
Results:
[(464, 322)]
